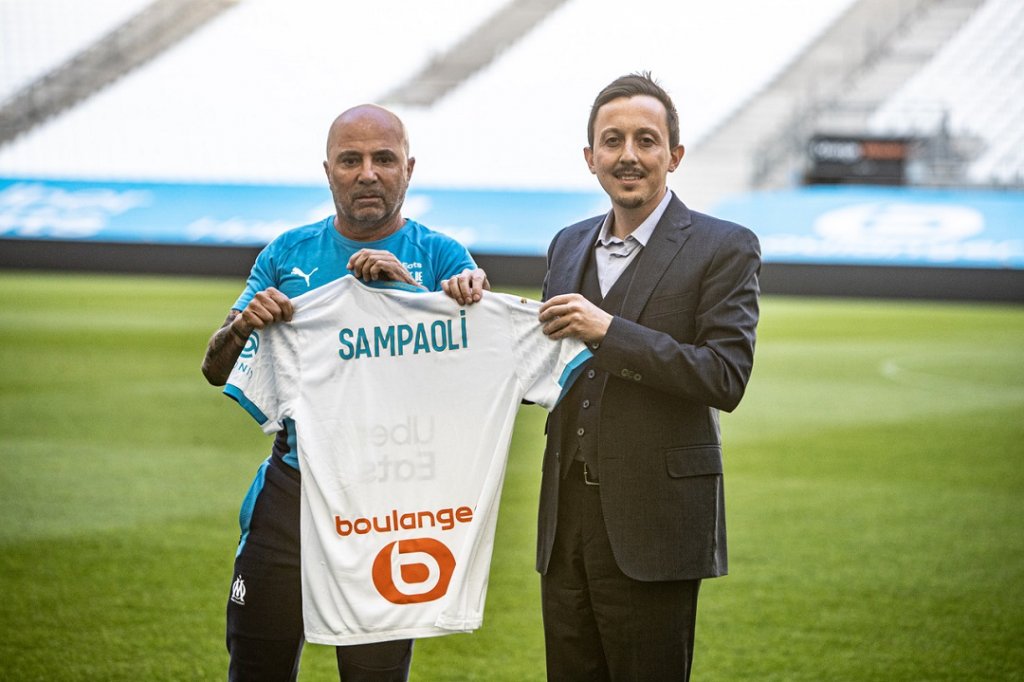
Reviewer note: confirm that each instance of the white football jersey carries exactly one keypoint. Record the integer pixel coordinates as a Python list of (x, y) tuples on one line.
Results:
[(403, 405)]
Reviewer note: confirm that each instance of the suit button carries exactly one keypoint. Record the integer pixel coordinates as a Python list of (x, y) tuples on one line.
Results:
[(637, 377), (626, 373), (595, 345), (590, 374), (580, 431), (586, 404)]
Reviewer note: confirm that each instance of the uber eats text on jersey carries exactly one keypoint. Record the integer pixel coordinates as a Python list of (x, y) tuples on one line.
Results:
[(401, 339)]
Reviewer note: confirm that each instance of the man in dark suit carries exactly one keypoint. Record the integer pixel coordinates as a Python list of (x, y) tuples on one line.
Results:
[(632, 512)]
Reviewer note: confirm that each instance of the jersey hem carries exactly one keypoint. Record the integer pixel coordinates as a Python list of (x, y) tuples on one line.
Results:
[(238, 395), (369, 638)]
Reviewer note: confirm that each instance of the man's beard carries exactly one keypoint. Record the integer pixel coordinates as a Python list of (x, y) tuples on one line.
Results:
[(370, 218), (630, 202)]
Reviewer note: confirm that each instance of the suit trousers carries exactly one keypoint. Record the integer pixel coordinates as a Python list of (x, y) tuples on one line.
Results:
[(600, 624)]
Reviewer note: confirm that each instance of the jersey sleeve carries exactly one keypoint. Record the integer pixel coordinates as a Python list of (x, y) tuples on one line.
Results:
[(260, 277), (451, 259), (546, 368), (264, 376)]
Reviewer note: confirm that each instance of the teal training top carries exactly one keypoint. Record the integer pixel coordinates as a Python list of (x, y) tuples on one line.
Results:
[(308, 257)]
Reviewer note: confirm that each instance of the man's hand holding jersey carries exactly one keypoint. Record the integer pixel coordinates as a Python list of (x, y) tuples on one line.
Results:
[(265, 308), (371, 265), (467, 287)]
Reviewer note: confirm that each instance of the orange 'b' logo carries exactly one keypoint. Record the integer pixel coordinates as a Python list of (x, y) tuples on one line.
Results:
[(425, 568)]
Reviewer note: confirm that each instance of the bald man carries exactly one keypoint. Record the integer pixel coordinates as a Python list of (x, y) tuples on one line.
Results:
[(368, 170)]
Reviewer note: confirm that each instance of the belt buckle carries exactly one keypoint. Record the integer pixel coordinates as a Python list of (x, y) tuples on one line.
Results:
[(586, 476)]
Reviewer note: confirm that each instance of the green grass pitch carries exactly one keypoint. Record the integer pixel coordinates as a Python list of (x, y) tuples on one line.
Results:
[(874, 478)]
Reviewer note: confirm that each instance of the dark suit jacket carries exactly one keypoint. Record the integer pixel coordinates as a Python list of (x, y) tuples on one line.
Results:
[(681, 350)]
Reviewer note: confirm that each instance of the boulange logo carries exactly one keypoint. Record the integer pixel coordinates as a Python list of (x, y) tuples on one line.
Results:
[(413, 571)]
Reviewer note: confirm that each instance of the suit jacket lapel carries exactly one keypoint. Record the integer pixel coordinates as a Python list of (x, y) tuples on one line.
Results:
[(666, 240), (570, 278)]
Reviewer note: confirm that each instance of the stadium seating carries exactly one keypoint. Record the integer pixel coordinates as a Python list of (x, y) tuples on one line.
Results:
[(246, 97), (974, 85), (276, 72), (43, 34)]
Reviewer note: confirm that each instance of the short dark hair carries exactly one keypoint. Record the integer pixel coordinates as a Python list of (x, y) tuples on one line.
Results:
[(634, 85)]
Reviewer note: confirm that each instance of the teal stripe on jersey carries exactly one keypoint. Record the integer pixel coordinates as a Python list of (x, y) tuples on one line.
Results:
[(236, 393), (388, 284), (249, 503), (291, 458), (571, 371)]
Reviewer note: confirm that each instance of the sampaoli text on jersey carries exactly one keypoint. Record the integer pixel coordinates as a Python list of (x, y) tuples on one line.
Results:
[(400, 339)]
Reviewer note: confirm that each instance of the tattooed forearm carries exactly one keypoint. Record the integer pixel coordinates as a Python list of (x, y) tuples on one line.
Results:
[(223, 350)]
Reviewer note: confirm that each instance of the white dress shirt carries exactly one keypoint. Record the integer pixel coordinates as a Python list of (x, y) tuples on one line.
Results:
[(614, 255)]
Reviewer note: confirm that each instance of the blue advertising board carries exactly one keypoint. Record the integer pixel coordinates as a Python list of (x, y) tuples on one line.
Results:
[(853, 225), (486, 221), (857, 225)]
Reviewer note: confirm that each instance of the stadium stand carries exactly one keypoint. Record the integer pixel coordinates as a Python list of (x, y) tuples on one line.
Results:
[(850, 71), (267, 58), (495, 93), (474, 51), (40, 36), (973, 91), (130, 44)]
